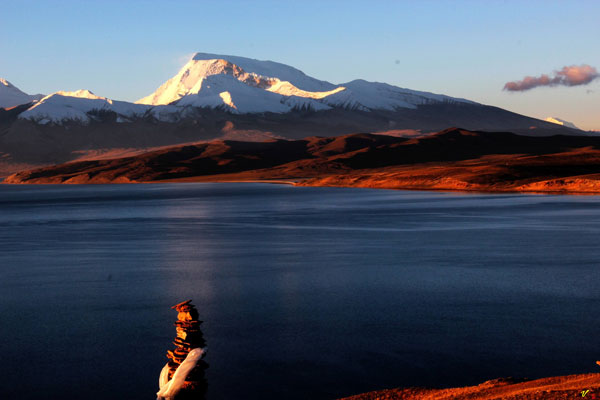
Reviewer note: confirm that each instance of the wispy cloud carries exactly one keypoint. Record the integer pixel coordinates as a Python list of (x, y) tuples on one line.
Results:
[(573, 75)]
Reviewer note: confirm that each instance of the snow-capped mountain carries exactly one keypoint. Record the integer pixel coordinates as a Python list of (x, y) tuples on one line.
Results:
[(236, 85), (243, 85), (218, 97), (234, 95), (82, 106), (254, 73), (559, 121), (211, 81), (11, 96)]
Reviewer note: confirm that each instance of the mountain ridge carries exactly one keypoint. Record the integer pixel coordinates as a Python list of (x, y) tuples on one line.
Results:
[(216, 96), (11, 96), (237, 85), (190, 87)]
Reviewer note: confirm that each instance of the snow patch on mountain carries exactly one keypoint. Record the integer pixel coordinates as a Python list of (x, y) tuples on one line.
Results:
[(361, 94), (228, 93), (11, 96), (285, 88), (271, 69), (167, 113), (559, 121), (82, 94), (82, 106)]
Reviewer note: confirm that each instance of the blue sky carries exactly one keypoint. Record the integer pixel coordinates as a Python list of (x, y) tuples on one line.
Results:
[(126, 49)]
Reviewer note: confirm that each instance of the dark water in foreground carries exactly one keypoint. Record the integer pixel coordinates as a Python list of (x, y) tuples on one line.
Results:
[(306, 293)]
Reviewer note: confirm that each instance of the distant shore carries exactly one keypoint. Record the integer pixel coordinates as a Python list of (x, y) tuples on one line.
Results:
[(404, 181), (553, 388), (414, 179), (571, 186)]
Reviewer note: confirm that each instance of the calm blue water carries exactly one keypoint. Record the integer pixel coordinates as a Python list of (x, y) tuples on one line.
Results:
[(306, 293)]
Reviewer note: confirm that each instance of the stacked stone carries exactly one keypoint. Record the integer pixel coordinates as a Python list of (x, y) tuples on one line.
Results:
[(189, 336)]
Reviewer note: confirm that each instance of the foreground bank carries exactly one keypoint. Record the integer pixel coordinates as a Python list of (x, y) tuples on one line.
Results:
[(556, 388)]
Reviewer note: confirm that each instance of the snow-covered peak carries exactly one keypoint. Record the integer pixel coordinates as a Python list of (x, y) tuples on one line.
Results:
[(361, 94), (272, 85), (6, 83), (189, 80), (234, 84), (82, 106), (82, 94), (11, 96), (272, 69), (559, 121)]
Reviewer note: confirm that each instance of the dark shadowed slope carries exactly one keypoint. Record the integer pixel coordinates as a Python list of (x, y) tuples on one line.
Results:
[(24, 141), (451, 159)]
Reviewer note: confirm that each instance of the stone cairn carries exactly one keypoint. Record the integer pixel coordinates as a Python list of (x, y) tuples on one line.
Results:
[(189, 336)]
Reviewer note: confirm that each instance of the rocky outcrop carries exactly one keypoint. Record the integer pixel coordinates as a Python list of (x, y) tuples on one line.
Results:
[(189, 337)]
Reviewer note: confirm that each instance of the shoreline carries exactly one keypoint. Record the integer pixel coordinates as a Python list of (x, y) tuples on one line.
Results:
[(479, 190), (549, 388), (305, 182)]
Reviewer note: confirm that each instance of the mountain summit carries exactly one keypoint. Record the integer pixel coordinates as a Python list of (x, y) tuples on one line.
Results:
[(80, 106), (11, 96), (265, 75), (244, 85)]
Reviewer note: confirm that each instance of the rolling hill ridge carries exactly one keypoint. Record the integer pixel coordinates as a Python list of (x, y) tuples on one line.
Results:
[(453, 159)]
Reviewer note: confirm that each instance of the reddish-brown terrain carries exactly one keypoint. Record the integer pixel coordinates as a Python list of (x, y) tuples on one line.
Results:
[(555, 388), (453, 159), (27, 144)]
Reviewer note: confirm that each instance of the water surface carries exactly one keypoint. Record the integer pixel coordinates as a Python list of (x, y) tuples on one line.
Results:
[(306, 293)]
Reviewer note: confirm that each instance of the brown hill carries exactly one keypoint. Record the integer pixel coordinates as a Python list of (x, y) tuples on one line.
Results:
[(451, 159), (24, 141)]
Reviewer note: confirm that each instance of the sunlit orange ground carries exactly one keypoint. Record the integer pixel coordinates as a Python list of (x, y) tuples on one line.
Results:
[(453, 159), (555, 388)]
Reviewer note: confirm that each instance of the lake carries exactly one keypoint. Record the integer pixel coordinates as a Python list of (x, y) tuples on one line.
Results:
[(305, 293)]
